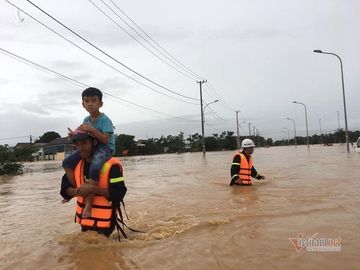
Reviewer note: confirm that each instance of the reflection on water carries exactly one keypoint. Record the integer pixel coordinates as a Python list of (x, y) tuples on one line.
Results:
[(192, 218)]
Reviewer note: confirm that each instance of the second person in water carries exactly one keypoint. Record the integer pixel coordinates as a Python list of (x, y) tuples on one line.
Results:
[(242, 167)]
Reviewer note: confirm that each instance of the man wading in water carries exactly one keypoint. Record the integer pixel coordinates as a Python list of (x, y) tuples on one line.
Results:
[(242, 168), (108, 195)]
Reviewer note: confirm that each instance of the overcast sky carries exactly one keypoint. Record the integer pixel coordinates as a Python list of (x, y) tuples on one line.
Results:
[(256, 55)]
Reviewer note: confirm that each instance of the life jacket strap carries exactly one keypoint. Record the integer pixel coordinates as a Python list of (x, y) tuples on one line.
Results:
[(82, 205), (93, 218), (119, 221)]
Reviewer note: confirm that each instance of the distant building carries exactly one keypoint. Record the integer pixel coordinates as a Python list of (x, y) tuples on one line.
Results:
[(39, 154), (22, 145), (59, 148)]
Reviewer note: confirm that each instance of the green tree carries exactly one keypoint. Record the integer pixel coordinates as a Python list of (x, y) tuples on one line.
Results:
[(125, 145), (48, 137), (25, 153)]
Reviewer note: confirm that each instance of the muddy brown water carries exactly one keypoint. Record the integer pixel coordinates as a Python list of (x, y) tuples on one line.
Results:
[(192, 218)]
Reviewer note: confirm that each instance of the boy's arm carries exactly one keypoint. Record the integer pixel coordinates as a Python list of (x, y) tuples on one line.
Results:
[(87, 189), (102, 137), (116, 191)]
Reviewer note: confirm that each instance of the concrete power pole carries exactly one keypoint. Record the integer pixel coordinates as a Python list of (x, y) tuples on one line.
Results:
[(320, 131), (202, 118), (237, 130)]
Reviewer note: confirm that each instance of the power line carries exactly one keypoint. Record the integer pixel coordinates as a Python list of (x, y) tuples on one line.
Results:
[(33, 64), (216, 115), (108, 55), (189, 70), (11, 138), (97, 58), (211, 95), (228, 107), (112, 67), (118, 25)]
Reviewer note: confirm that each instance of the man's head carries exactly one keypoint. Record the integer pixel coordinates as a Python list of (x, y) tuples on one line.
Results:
[(92, 99), (248, 146), (85, 143)]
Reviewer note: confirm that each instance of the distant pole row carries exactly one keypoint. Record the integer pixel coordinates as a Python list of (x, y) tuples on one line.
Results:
[(290, 119), (338, 118)]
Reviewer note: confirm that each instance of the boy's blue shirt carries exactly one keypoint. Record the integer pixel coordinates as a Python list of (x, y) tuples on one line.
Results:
[(104, 125)]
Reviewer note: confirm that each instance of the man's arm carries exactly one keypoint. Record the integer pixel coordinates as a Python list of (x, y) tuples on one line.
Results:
[(67, 191), (235, 168), (255, 174), (87, 189), (116, 191), (117, 188)]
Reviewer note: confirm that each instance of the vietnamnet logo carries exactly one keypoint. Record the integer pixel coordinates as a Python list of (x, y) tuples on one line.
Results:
[(311, 243)]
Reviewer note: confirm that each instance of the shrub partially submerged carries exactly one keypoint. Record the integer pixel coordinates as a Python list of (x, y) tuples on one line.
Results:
[(8, 164), (11, 168)]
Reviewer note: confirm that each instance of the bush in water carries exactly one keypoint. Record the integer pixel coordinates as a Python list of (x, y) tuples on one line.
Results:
[(7, 162)]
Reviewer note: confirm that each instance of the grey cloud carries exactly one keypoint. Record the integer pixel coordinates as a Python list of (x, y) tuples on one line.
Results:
[(66, 64), (114, 85), (63, 101), (81, 78), (34, 108), (35, 125)]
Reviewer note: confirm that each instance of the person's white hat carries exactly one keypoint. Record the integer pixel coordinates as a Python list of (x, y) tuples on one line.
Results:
[(246, 143)]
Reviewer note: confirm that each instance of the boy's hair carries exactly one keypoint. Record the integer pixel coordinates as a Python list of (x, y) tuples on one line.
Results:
[(92, 92)]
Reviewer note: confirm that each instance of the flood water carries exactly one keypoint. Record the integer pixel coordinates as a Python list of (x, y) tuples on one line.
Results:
[(192, 218)]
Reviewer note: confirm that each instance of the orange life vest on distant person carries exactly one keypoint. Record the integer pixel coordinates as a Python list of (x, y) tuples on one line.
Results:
[(245, 169), (102, 210)]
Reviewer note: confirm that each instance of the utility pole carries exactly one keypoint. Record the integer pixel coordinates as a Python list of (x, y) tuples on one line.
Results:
[(288, 136), (237, 130), (338, 117), (320, 131), (30, 139), (307, 126), (249, 130), (202, 118), (294, 129), (254, 131)]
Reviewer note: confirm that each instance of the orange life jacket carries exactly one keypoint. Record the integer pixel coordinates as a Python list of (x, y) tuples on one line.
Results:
[(245, 169), (102, 210)]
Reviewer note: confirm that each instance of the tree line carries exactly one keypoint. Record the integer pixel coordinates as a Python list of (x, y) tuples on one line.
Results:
[(326, 139), (126, 145)]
